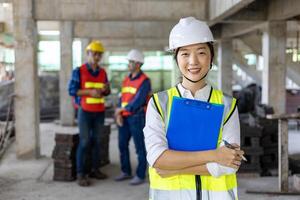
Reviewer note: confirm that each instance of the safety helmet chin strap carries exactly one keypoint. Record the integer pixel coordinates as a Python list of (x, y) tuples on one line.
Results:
[(197, 80)]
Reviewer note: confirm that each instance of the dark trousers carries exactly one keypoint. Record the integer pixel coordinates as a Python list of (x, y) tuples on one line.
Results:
[(90, 128), (133, 126)]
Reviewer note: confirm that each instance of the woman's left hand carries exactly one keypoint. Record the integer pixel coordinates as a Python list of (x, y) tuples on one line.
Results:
[(166, 173)]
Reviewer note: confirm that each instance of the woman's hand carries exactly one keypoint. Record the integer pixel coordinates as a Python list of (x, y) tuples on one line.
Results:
[(229, 157)]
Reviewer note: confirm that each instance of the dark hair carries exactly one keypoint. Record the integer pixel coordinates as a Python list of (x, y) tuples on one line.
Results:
[(211, 49), (212, 52)]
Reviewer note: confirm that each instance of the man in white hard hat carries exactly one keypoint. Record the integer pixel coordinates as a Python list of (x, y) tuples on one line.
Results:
[(130, 118)]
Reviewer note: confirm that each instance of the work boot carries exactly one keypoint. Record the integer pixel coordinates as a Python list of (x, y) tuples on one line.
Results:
[(98, 174), (136, 181), (123, 176), (83, 181)]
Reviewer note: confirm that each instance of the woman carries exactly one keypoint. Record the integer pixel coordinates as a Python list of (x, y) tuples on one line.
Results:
[(197, 175)]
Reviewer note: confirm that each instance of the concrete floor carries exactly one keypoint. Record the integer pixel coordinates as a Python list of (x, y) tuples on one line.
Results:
[(32, 179)]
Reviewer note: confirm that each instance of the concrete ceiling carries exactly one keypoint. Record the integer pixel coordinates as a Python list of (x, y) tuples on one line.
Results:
[(146, 24), (252, 16), (122, 24)]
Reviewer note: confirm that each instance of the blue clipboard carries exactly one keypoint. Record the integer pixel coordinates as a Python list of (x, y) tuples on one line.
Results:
[(194, 125)]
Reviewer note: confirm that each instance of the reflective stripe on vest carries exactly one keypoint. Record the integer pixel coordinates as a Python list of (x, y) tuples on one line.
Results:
[(130, 90), (90, 100), (124, 104), (89, 85), (191, 194), (183, 187)]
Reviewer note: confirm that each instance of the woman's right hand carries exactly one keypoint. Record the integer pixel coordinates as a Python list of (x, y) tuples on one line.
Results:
[(229, 157)]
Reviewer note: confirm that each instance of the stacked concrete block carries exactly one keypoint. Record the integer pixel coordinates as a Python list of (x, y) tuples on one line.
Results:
[(250, 143), (64, 155), (294, 163), (259, 140), (269, 143)]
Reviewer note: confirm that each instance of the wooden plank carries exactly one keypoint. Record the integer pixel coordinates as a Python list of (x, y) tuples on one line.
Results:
[(284, 116), (283, 162), (272, 192)]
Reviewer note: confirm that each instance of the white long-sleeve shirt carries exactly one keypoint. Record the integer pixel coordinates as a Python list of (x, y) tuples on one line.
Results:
[(155, 134)]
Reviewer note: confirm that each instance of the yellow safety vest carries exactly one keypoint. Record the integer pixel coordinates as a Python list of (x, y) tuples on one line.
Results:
[(192, 187)]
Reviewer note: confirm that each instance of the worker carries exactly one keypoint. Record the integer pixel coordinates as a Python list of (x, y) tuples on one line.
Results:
[(136, 88), (89, 85), (185, 175)]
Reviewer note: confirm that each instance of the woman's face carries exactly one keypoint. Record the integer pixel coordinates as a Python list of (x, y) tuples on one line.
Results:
[(194, 61)]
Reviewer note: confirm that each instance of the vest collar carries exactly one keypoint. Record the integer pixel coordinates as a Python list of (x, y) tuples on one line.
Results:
[(136, 77), (203, 94)]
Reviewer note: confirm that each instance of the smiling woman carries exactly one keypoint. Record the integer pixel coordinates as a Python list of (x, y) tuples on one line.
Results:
[(194, 62), (186, 175)]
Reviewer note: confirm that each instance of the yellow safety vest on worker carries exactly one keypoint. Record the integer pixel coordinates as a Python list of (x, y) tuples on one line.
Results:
[(192, 187)]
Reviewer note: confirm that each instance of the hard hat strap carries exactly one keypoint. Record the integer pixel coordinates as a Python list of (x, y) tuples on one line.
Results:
[(197, 80)]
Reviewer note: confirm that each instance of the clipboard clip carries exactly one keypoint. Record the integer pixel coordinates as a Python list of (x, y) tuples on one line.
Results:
[(198, 104)]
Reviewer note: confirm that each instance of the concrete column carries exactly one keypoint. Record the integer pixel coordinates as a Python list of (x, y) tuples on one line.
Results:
[(26, 81), (274, 72), (84, 43), (66, 40), (225, 60)]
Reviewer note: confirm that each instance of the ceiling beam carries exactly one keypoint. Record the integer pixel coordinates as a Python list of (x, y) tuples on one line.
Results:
[(254, 12), (253, 41), (116, 10), (218, 10), (235, 30), (250, 71), (283, 10), (253, 16), (125, 44), (123, 29)]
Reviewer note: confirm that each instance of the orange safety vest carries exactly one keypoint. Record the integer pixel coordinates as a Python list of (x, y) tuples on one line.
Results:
[(87, 81), (129, 90)]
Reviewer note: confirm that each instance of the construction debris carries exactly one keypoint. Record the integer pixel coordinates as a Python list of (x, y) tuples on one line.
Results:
[(7, 129), (64, 154)]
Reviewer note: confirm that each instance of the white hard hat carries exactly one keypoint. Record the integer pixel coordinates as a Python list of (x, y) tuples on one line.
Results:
[(189, 31), (135, 55)]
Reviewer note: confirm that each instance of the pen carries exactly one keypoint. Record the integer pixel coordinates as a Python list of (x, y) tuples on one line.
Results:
[(227, 144)]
